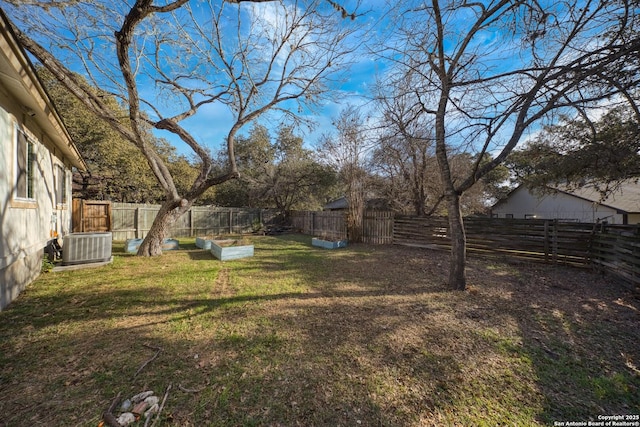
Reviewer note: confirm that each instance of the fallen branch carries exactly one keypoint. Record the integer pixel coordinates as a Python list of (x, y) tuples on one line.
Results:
[(155, 356), (108, 416), (164, 399), (194, 390), (191, 390), (630, 365)]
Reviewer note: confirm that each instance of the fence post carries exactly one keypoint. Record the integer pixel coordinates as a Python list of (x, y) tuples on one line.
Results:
[(137, 222), (191, 221), (555, 241), (546, 241)]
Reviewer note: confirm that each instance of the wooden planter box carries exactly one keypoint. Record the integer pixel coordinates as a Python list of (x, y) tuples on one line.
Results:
[(221, 250), (328, 244), (132, 245), (203, 243)]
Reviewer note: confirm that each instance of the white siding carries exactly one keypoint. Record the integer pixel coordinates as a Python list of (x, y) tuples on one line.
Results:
[(522, 203), (26, 226)]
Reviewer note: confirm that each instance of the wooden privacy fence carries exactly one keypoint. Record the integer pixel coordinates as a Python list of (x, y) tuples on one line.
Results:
[(134, 220), (377, 226), (542, 240), (616, 249), (611, 248), (326, 224), (91, 215)]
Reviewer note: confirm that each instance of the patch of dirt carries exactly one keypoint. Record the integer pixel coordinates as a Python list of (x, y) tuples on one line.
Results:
[(222, 285)]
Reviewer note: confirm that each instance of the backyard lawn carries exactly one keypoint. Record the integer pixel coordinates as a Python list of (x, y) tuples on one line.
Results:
[(302, 336)]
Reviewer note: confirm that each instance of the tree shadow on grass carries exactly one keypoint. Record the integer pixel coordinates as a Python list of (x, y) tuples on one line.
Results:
[(581, 338), (66, 353), (366, 336), (251, 371), (574, 339)]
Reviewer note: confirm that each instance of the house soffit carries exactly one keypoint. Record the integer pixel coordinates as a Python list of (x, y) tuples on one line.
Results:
[(20, 80)]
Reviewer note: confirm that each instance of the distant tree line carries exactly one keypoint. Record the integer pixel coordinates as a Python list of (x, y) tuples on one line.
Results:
[(277, 172)]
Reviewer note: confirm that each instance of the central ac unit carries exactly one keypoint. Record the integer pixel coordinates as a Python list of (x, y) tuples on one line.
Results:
[(84, 248)]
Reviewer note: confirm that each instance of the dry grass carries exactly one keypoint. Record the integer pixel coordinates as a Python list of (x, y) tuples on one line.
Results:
[(303, 336)]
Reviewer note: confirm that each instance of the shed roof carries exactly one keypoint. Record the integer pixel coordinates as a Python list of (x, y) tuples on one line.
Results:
[(340, 203), (378, 203)]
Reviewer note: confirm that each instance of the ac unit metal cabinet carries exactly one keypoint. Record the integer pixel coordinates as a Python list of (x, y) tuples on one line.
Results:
[(85, 248)]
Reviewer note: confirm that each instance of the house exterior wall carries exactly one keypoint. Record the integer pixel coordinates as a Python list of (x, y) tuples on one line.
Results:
[(27, 225), (633, 219), (523, 204)]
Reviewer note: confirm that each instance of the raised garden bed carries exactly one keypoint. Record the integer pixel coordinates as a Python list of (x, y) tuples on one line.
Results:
[(132, 245), (328, 244), (230, 249), (204, 242)]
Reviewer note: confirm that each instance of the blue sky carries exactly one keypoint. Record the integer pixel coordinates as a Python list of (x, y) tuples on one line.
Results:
[(211, 124), (355, 91), (208, 126)]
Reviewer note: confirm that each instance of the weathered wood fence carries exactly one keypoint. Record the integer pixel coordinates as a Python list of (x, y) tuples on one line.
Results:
[(132, 221), (541, 240), (91, 215), (616, 248), (377, 226), (611, 248)]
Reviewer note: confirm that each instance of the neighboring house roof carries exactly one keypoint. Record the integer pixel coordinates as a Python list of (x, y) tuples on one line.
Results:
[(626, 198), (18, 75)]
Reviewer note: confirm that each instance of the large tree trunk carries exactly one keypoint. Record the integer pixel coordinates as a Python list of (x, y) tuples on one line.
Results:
[(355, 213), (169, 212), (419, 203), (457, 275)]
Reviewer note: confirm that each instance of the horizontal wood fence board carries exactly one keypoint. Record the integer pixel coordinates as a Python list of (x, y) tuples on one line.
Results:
[(627, 272), (615, 247)]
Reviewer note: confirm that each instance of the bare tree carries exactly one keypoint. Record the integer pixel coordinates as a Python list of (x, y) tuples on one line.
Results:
[(492, 70), (404, 154), (347, 151), (169, 61)]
